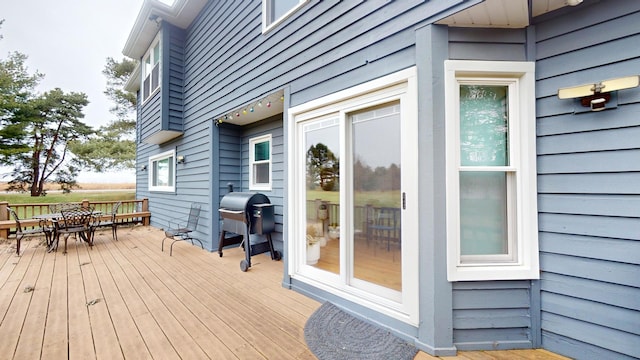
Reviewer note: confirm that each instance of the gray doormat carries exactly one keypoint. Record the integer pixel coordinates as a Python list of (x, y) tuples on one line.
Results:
[(333, 334)]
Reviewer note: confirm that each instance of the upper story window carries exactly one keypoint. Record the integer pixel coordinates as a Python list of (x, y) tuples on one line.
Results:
[(151, 70), (275, 11), (162, 172), (260, 163), (491, 171)]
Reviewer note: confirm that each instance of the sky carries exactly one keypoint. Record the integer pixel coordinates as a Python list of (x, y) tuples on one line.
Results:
[(69, 41)]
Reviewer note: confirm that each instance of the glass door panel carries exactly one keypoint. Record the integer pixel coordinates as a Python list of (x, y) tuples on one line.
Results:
[(322, 192), (376, 209)]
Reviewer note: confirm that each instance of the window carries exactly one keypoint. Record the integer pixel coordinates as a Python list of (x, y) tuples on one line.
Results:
[(274, 11), (151, 70), (260, 163), (352, 159), (162, 174), (491, 171)]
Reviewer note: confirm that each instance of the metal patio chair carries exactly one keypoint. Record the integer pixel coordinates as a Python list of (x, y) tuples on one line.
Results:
[(182, 232), (79, 221), (21, 231), (112, 223)]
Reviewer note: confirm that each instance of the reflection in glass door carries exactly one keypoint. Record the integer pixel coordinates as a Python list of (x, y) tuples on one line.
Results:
[(376, 188), (322, 189)]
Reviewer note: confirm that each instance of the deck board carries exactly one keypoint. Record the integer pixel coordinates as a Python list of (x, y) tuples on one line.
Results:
[(127, 299)]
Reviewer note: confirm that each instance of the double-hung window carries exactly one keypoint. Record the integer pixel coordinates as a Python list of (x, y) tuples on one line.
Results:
[(491, 171), (260, 163), (151, 70), (162, 172), (274, 11)]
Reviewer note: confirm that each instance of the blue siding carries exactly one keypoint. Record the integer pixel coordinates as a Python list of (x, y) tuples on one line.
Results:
[(589, 176), (172, 79), (149, 116)]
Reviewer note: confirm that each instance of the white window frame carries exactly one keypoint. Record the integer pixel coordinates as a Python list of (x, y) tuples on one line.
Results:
[(400, 86), (147, 70), (252, 162), (522, 260), (168, 155), (267, 23)]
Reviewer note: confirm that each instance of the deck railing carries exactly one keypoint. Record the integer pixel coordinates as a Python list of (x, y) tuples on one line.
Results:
[(365, 218), (130, 212)]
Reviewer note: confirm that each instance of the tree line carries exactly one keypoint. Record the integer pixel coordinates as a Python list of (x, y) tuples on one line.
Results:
[(323, 171)]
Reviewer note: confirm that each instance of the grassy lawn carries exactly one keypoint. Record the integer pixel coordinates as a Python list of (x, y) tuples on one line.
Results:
[(362, 198), (14, 198)]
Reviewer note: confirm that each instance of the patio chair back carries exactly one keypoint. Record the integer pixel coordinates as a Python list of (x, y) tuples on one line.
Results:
[(75, 220), (57, 208), (15, 217), (194, 217)]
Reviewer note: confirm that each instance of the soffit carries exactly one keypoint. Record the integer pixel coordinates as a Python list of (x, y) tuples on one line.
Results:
[(502, 13)]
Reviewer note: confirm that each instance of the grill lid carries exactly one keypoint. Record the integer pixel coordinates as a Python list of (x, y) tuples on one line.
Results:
[(242, 201)]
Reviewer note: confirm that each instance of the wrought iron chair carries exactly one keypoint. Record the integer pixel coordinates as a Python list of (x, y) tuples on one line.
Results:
[(112, 223), (76, 221), (182, 232), (21, 231)]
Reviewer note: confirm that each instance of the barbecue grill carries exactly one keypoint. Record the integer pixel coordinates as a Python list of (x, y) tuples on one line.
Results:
[(245, 213)]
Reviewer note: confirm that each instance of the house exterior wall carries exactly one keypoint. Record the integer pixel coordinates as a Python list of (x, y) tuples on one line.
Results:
[(589, 181), (588, 168)]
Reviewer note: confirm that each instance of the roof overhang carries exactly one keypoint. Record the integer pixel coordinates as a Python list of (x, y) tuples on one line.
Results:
[(162, 137), (181, 14), (504, 13)]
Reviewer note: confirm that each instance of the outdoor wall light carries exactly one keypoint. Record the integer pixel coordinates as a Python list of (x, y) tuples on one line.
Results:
[(597, 95), (181, 159), (143, 168)]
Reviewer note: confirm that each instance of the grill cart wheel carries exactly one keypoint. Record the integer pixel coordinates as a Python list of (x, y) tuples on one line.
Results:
[(277, 255), (244, 265)]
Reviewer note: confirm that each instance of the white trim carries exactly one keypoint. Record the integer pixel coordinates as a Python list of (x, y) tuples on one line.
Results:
[(143, 68), (522, 143), (171, 156), (268, 26), (252, 142), (402, 87)]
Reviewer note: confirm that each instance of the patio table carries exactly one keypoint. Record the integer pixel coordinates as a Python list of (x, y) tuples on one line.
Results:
[(57, 220)]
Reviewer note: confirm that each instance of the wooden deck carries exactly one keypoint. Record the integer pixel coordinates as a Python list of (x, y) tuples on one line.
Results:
[(127, 299)]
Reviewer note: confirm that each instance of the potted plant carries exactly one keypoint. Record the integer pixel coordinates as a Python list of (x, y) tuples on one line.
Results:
[(334, 231), (313, 244)]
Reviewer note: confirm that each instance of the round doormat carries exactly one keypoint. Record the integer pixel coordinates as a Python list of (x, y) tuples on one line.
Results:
[(333, 334)]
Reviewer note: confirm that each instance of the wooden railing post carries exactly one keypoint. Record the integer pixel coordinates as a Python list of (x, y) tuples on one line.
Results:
[(4, 215), (146, 221)]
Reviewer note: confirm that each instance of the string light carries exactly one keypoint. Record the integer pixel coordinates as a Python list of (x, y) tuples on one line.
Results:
[(250, 108)]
